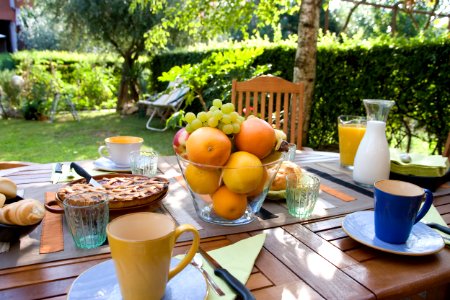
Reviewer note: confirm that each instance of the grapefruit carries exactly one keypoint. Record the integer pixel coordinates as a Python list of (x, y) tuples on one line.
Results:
[(257, 137), (208, 146), (229, 205), (202, 180), (243, 172)]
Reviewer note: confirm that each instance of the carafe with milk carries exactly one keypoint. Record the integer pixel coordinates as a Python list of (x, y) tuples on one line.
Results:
[(372, 160)]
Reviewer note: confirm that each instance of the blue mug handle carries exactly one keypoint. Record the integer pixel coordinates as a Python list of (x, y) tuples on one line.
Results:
[(426, 206)]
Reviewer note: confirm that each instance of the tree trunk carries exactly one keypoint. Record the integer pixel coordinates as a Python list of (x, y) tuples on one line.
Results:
[(305, 56), (128, 84)]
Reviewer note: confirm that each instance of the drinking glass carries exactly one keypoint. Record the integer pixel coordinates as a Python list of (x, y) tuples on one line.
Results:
[(144, 163), (351, 130), (87, 215), (302, 193)]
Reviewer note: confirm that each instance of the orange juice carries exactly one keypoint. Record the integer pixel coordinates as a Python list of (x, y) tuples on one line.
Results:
[(350, 135)]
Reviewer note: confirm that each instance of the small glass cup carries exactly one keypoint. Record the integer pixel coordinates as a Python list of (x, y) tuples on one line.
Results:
[(302, 193), (87, 215), (292, 151), (351, 130), (144, 163)]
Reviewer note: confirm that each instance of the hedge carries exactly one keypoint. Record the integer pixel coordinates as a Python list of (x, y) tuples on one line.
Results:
[(416, 74)]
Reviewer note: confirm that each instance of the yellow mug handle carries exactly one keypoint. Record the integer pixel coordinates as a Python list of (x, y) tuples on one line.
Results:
[(190, 255)]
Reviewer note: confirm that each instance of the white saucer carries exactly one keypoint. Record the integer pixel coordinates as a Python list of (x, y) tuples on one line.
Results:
[(105, 164), (100, 282), (423, 240)]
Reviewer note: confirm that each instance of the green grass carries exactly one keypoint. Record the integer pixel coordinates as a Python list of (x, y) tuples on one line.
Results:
[(69, 140)]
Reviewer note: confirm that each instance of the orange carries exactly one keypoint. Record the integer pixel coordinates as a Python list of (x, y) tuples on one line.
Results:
[(243, 172), (208, 146), (256, 136), (202, 180), (260, 186), (229, 205)]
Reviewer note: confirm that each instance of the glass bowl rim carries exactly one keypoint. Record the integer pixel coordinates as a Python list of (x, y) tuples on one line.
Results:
[(269, 164)]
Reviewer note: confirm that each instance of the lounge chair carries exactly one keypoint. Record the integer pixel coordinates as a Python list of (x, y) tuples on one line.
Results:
[(166, 103)]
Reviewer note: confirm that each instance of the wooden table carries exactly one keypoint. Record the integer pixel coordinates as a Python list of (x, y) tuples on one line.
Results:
[(310, 259)]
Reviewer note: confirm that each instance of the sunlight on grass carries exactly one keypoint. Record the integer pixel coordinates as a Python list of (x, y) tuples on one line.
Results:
[(69, 140)]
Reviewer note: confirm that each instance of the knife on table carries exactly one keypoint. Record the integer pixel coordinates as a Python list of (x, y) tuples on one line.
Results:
[(57, 173), (242, 291), (82, 172)]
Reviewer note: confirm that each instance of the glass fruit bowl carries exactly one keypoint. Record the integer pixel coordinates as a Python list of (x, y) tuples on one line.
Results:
[(228, 196)]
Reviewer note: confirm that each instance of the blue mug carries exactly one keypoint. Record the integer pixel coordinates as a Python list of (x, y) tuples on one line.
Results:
[(397, 205)]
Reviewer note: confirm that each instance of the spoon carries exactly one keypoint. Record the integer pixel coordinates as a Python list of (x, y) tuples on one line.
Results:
[(198, 262), (405, 157)]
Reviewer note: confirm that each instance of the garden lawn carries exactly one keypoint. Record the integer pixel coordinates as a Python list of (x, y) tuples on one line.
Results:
[(69, 140)]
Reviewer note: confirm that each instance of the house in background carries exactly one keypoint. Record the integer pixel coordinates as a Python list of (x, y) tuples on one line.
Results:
[(9, 24)]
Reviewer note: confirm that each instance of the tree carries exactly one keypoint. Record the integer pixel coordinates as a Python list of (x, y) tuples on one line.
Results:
[(305, 56), (114, 23)]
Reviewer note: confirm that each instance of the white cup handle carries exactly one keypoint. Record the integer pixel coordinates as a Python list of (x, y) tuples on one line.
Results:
[(101, 150)]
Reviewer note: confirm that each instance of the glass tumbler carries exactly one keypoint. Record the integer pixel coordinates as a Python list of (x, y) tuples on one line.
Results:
[(144, 163), (87, 215), (351, 130), (302, 193)]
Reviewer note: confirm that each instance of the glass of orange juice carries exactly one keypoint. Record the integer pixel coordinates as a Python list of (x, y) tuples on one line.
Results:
[(351, 130)]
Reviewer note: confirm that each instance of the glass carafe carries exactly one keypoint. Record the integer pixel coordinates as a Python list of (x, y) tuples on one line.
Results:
[(372, 160)]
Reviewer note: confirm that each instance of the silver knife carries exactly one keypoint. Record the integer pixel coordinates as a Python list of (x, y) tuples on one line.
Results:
[(242, 291), (82, 172), (57, 173)]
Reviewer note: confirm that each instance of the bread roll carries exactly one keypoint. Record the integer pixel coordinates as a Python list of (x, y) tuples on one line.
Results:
[(23, 212), (2, 200), (8, 187), (287, 167)]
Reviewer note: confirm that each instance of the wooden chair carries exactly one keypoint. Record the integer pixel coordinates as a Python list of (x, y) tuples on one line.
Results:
[(447, 147), (274, 99)]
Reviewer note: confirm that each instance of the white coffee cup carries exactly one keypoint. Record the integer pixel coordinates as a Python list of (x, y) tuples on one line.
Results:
[(118, 149)]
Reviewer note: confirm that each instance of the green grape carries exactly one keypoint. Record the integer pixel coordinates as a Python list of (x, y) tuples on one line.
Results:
[(236, 127), (209, 114), (217, 103), (234, 116), (227, 108), (189, 128), (213, 122), (227, 129), (213, 108), (189, 117), (226, 119), (218, 114), (196, 124), (202, 116)]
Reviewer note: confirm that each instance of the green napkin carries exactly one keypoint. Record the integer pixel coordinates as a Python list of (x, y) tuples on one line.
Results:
[(420, 165), (434, 216), (238, 259)]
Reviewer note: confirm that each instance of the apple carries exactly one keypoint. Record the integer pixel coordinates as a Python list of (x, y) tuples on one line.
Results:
[(179, 142)]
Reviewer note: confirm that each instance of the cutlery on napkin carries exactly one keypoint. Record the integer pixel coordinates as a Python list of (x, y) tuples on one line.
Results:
[(238, 259), (433, 216), (419, 165)]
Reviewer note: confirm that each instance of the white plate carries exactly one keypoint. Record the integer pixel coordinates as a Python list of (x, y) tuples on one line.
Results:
[(100, 282), (105, 164), (423, 240)]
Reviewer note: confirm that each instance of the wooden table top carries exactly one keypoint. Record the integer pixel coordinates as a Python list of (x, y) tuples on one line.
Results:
[(309, 259)]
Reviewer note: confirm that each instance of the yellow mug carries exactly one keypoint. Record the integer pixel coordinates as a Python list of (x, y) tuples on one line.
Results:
[(141, 247)]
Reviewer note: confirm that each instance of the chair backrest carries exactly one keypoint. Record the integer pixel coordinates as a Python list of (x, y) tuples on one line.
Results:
[(274, 99), (447, 147)]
